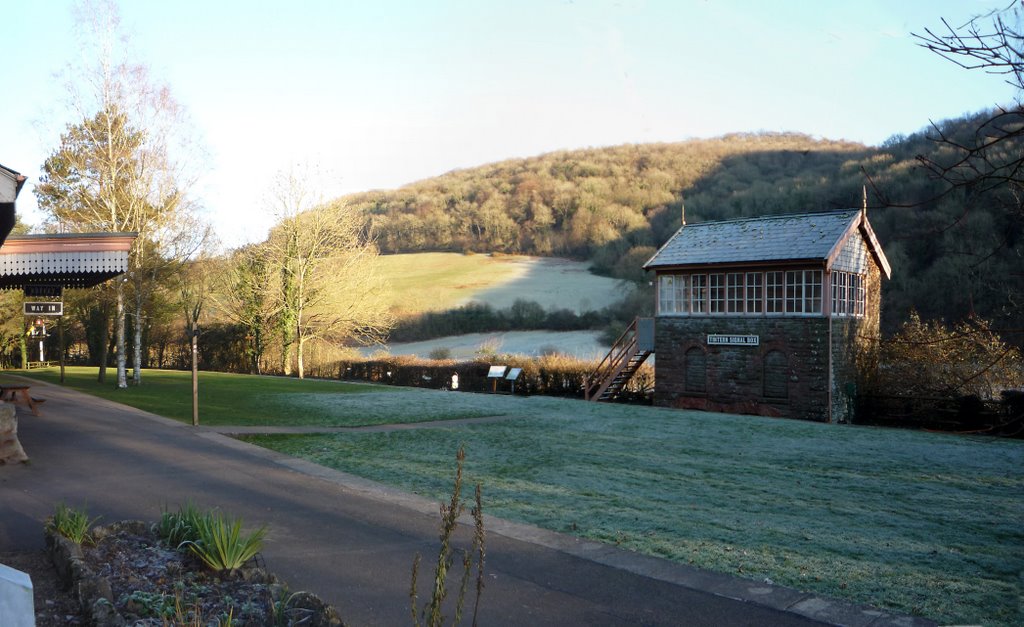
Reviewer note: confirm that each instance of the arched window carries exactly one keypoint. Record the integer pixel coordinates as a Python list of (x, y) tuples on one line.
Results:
[(775, 375), (696, 370)]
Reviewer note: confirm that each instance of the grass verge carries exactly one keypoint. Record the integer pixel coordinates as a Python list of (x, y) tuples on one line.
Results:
[(927, 524), (920, 523), (243, 400)]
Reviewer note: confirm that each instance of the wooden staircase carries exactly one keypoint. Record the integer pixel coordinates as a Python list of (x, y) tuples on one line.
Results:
[(628, 352)]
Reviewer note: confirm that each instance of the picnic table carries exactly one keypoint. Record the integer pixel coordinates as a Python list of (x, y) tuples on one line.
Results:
[(20, 395)]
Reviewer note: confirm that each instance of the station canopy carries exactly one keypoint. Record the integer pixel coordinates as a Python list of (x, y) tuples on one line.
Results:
[(65, 260)]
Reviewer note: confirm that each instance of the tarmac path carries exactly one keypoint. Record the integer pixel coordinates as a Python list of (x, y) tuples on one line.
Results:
[(352, 541)]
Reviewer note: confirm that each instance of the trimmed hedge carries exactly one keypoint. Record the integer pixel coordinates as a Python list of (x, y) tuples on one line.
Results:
[(553, 375)]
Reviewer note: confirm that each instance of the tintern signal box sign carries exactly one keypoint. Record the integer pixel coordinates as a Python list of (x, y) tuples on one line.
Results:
[(734, 340), (44, 309)]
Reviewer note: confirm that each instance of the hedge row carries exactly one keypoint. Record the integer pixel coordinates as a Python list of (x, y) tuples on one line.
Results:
[(553, 375), (963, 414)]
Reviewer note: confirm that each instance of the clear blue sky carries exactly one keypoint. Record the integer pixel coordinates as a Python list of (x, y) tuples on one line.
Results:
[(383, 93)]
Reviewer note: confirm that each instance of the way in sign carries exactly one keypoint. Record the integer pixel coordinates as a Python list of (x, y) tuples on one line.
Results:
[(44, 309)]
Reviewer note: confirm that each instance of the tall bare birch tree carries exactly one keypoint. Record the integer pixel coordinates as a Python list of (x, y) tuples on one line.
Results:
[(123, 167)]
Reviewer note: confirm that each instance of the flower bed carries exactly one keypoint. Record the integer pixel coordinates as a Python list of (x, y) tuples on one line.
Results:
[(127, 575)]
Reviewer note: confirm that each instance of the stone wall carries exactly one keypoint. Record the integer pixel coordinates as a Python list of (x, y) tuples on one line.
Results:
[(855, 350), (736, 375)]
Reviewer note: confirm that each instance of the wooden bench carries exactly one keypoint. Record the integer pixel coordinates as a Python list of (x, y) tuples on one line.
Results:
[(19, 394)]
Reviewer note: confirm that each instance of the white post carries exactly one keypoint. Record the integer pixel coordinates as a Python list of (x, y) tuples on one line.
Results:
[(16, 606), (195, 377)]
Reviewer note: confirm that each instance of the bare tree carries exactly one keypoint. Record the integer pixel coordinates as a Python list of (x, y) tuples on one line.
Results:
[(124, 167), (326, 288), (992, 159), (242, 296)]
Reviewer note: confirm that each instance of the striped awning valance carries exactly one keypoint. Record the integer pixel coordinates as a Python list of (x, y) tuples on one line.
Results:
[(67, 260)]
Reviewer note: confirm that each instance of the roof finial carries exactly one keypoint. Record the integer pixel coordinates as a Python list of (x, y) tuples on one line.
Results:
[(864, 201), (682, 210)]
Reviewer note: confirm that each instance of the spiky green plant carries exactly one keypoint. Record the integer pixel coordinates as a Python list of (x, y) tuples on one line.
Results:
[(177, 528), (220, 543), (71, 523)]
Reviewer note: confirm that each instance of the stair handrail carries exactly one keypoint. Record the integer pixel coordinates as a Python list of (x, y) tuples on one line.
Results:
[(613, 359)]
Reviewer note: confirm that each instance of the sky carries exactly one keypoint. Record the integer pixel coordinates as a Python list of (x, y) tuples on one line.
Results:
[(374, 95)]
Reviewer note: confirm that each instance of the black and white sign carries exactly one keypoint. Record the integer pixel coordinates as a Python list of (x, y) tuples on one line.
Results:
[(43, 291), (44, 309), (733, 340)]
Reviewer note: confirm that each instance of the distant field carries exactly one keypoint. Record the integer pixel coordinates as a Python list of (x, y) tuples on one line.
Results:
[(439, 281), (581, 344)]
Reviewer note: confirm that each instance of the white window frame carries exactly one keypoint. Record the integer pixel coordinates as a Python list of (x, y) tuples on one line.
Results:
[(754, 293), (716, 293), (735, 293), (799, 292), (849, 294)]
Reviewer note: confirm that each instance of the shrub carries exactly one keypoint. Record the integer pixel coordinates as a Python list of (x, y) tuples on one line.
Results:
[(179, 527), (71, 523), (929, 359), (440, 353), (221, 545), (548, 350), (488, 349)]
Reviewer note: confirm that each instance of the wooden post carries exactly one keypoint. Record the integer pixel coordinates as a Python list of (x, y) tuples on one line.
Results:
[(60, 341), (195, 378)]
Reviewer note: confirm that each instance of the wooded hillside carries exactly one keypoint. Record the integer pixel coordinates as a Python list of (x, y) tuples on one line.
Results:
[(952, 252)]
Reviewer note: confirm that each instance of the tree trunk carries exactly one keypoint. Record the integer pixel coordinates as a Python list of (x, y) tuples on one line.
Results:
[(122, 359), (286, 356), (301, 345), (104, 349), (137, 353), (23, 344)]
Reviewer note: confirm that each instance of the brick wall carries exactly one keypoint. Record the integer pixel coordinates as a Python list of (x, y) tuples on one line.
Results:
[(735, 374)]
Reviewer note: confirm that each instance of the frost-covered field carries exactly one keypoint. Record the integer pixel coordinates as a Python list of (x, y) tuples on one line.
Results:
[(581, 344), (554, 283), (917, 522), (438, 281)]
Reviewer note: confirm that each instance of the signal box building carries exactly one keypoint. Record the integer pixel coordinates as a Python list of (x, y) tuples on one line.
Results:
[(775, 316)]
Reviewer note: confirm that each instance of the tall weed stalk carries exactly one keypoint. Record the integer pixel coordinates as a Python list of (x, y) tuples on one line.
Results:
[(430, 615)]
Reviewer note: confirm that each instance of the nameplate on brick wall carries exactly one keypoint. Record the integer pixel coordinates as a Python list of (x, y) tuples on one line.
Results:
[(733, 340)]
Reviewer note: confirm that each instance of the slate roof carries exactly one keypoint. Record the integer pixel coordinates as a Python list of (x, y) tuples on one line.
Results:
[(808, 236)]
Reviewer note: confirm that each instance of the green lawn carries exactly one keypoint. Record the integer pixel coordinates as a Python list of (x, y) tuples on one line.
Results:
[(923, 523), (241, 400)]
